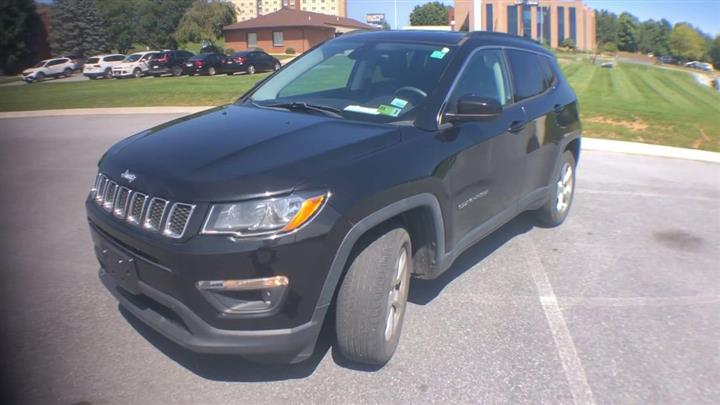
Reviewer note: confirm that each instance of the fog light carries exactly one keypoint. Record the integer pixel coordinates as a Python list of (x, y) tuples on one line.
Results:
[(243, 285), (250, 297)]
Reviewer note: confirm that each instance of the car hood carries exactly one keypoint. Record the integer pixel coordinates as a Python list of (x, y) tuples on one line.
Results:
[(30, 71), (236, 152)]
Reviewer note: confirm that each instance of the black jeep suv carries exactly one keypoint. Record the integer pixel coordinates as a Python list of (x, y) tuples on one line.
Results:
[(168, 62), (371, 159)]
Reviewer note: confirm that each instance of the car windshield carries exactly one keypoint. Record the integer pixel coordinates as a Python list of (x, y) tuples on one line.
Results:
[(384, 82), (133, 58)]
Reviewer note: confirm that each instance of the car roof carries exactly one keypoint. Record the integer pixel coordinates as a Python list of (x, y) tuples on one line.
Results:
[(449, 38)]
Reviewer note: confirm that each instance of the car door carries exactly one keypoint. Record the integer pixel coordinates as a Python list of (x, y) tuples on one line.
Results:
[(484, 177), (54, 67), (533, 83)]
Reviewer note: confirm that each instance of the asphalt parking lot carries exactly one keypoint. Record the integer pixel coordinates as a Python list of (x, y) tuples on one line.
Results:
[(619, 305)]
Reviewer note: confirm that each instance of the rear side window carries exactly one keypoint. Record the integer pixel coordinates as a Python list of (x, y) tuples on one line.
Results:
[(548, 73), (92, 60), (527, 74), (56, 62)]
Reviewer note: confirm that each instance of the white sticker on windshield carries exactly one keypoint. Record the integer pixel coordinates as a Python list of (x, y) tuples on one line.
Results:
[(361, 109)]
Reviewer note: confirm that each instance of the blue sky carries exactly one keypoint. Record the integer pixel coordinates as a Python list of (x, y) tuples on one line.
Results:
[(704, 14)]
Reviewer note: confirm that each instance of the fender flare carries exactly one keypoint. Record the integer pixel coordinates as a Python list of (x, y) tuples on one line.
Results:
[(342, 255)]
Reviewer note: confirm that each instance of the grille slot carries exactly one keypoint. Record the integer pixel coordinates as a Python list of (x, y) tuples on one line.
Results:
[(154, 215), (178, 220), (121, 202), (141, 209), (137, 205), (110, 193)]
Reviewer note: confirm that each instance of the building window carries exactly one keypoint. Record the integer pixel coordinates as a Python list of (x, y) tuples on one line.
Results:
[(489, 17), (512, 20), (251, 40), (527, 20), (561, 24), (278, 38), (573, 26), (543, 25)]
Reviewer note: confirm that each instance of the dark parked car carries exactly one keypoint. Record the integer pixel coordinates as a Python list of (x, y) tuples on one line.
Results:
[(251, 62), (205, 64), (373, 158), (665, 60), (169, 62)]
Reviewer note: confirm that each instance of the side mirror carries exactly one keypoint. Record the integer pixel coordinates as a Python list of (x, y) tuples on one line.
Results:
[(475, 108)]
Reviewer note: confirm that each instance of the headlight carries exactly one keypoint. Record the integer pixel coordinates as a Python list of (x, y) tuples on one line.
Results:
[(260, 217)]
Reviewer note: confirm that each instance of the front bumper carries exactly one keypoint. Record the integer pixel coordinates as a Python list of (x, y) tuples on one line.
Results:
[(161, 289)]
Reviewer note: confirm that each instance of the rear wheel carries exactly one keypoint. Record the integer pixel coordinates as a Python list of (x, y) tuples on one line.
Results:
[(39, 76), (67, 72), (108, 73), (176, 71), (212, 71), (372, 299), (561, 193), (251, 70), (277, 66)]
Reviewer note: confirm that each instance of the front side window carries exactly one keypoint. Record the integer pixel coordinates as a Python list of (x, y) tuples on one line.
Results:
[(485, 76), (133, 58), (252, 39), (278, 38), (360, 80), (527, 74)]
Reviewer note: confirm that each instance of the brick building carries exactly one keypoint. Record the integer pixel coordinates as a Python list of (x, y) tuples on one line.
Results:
[(288, 28), (247, 9), (548, 21)]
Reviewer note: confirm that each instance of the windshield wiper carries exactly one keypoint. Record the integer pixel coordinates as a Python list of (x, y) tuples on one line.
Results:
[(303, 106)]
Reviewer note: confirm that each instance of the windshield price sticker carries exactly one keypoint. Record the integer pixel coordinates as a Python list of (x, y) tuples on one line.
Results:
[(388, 110)]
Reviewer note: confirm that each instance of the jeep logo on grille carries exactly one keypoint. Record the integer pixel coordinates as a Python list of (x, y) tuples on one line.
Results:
[(128, 176)]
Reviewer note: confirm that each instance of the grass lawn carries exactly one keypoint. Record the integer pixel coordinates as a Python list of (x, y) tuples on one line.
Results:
[(646, 104), (161, 91), (8, 79)]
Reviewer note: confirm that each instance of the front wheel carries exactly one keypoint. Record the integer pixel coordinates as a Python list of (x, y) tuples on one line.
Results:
[(276, 67), (561, 193), (67, 72), (212, 71), (251, 70), (177, 71), (137, 73), (108, 73), (372, 298)]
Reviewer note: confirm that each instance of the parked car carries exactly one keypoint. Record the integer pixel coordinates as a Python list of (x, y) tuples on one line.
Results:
[(134, 65), (210, 49), (101, 65), (169, 62), (251, 62), (706, 67), (692, 65), (57, 67), (236, 229), (665, 60), (205, 64)]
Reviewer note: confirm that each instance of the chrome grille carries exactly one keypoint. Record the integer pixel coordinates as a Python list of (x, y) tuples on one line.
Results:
[(137, 205), (140, 209), (178, 219), (121, 202), (154, 215), (110, 192)]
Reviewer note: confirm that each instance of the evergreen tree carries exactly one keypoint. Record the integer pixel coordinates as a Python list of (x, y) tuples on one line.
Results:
[(77, 28), (627, 32), (15, 32), (606, 28)]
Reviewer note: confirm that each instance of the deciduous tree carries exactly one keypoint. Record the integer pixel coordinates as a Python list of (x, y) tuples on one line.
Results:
[(686, 43), (204, 21), (120, 18), (157, 20), (627, 32), (434, 13)]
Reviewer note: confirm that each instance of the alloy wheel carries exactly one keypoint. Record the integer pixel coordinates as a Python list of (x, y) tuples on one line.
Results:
[(565, 185), (397, 295)]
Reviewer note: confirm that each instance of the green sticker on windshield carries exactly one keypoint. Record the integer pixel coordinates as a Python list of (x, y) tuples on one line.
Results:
[(399, 103), (440, 54), (388, 110)]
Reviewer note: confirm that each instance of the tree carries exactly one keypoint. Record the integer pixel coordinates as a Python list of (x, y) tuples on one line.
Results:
[(204, 21), (627, 32), (686, 43), (606, 27), (568, 43), (15, 33), (434, 13), (77, 28), (653, 36), (715, 52), (120, 22), (157, 20), (384, 25)]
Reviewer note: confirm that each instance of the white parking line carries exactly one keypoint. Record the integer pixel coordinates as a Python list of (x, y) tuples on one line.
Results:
[(574, 371), (645, 194)]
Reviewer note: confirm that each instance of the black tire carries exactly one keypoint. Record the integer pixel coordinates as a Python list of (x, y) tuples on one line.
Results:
[(364, 303), (108, 73), (137, 73), (67, 72), (551, 214), (177, 71), (211, 71), (39, 76), (276, 67), (251, 70)]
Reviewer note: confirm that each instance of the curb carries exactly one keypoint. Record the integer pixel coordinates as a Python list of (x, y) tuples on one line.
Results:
[(634, 148), (590, 144), (103, 111)]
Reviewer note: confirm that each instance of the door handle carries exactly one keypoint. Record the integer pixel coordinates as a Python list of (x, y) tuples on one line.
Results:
[(517, 126), (559, 108)]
